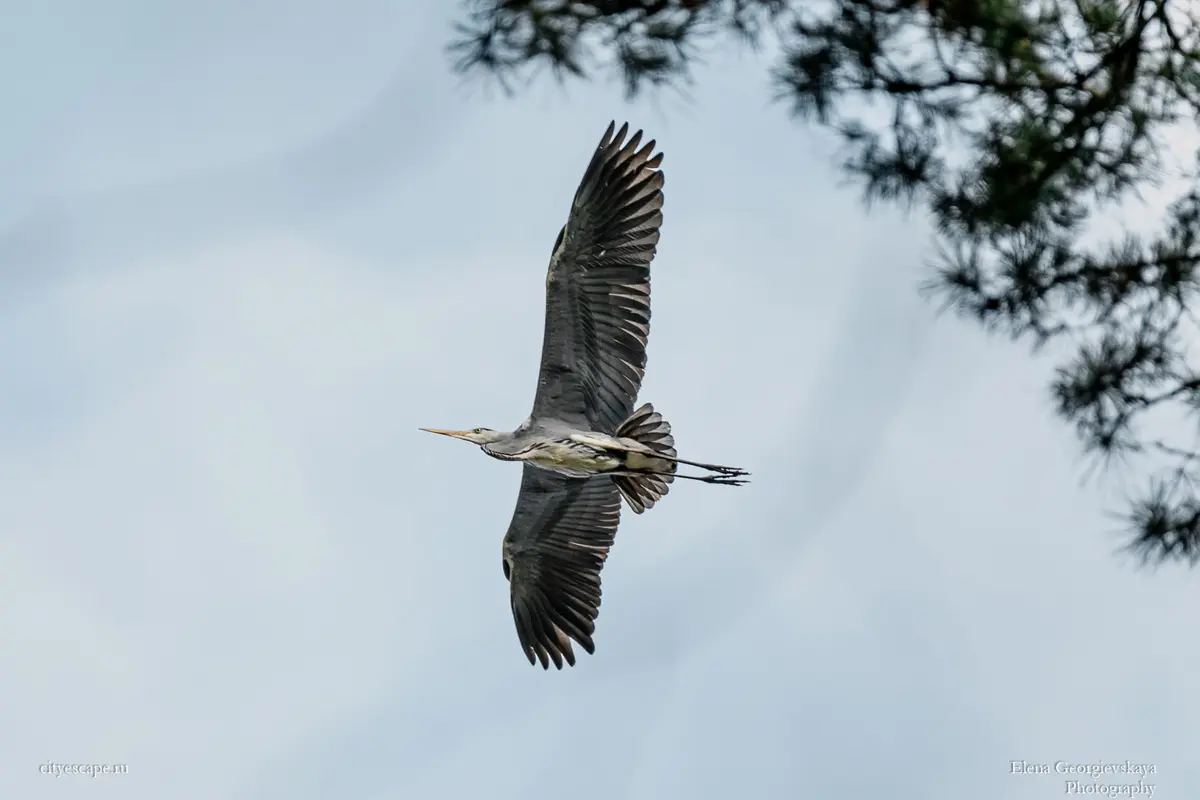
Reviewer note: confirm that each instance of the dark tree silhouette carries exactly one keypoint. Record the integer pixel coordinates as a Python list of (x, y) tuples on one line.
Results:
[(1022, 127)]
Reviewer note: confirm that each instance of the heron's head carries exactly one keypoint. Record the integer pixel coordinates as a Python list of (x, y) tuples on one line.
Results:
[(474, 436)]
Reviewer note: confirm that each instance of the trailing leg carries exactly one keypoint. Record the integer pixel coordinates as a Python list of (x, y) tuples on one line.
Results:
[(710, 467)]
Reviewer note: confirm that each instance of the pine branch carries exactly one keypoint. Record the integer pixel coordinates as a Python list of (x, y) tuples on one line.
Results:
[(1016, 124)]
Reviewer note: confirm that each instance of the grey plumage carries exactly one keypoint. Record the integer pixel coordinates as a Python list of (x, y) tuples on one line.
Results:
[(648, 427), (584, 444), (598, 289)]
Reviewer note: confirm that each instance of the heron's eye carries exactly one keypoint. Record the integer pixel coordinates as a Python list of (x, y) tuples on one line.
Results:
[(477, 430)]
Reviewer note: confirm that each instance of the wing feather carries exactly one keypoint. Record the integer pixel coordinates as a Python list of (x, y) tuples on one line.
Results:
[(598, 288), (555, 548)]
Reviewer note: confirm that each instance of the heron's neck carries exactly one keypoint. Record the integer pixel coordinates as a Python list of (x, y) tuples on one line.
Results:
[(506, 448)]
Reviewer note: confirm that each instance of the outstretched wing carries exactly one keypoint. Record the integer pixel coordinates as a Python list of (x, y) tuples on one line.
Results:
[(555, 547), (598, 289)]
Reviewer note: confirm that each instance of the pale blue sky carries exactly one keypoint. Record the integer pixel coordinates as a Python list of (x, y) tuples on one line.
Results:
[(246, 251)]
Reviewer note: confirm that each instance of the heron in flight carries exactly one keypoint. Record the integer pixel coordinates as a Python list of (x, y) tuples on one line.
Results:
[(584, 445)]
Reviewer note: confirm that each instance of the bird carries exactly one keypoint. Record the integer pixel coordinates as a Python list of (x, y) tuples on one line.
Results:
[(585, 446)]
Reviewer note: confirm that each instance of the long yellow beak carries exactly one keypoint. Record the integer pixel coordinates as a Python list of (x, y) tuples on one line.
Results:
[(455, 434)]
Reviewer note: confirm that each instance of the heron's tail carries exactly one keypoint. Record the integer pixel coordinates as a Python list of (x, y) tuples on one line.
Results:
[(646, 426)]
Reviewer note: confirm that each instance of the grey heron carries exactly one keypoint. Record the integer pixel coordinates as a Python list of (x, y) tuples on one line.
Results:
[(584, 445)]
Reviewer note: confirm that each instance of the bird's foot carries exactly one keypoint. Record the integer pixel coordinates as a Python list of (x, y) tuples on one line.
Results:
[(725, 480), (730, 471)]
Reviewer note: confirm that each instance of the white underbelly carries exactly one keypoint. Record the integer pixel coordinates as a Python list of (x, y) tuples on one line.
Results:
[(574, 460)]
